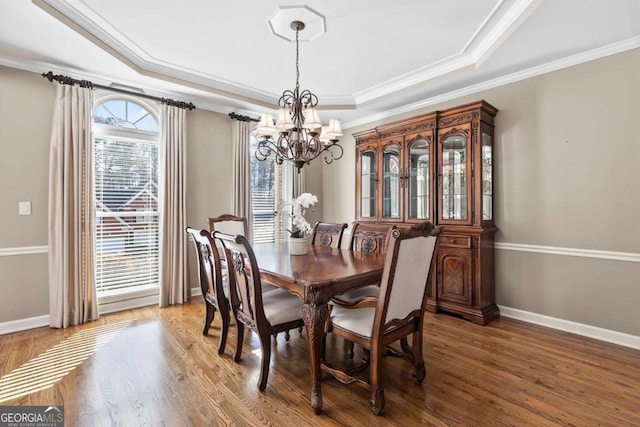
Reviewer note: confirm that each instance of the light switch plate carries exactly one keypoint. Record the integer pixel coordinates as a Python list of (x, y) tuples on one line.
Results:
[(24, 208)]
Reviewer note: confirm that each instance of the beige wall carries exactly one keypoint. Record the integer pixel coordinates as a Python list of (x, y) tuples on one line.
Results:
[(567, 156), (567, 150), (26, 108), (209, 160)]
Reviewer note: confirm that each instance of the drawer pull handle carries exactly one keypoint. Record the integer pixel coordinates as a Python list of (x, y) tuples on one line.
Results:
[(453, 240)]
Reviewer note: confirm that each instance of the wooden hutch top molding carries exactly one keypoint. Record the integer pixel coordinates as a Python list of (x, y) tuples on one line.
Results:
[(450, 117)]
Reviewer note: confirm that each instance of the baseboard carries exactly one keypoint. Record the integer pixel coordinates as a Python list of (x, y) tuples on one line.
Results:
[(24, 324), (196, 291), (619, 338), (607, 335)]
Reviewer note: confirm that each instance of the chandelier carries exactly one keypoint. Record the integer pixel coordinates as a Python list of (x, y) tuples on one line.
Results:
[(298, 135)]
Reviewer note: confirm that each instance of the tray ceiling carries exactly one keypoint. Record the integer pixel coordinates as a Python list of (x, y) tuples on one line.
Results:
[(363, 58)]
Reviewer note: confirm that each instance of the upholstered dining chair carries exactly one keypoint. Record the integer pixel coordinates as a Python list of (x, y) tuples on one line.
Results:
[(370, 238), (229, 224), (211, 283), (328, 234), (367, 238), (265, 312), (397, 312)]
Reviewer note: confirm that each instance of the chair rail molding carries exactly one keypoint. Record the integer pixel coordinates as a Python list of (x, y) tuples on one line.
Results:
[(25, 250), (585, 253)]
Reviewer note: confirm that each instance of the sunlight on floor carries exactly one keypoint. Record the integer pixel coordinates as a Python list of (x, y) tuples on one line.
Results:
[(46, 369)]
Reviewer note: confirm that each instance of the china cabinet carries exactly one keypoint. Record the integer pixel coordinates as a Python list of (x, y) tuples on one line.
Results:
[(438, 167)]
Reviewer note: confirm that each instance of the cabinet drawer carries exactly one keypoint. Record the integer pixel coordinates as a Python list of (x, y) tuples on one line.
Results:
[(455, 241)]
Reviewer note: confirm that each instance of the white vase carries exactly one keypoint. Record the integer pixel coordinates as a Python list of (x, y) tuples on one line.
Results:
[(298, 245)]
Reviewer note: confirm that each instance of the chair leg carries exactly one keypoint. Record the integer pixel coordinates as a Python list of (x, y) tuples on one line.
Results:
[(209, 314), (418, 360), (265, 344), (224, 330), (377, 390), (239, 340)]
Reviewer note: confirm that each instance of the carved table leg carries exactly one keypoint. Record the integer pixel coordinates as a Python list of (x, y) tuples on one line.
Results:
[(314, 313)]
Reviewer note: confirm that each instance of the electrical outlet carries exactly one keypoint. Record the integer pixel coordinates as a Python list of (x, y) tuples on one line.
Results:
[(24, 208)]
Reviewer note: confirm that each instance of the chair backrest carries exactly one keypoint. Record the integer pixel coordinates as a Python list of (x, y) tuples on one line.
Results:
[(229, 224), (209, 265), (245, 286), (370, 238), (327, 234), (408, 264)]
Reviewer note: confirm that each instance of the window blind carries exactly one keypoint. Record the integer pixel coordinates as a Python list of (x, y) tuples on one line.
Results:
[(127, 216), (271, 186)]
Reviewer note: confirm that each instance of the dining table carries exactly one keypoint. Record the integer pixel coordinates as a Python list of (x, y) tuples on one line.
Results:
[(317, 276)]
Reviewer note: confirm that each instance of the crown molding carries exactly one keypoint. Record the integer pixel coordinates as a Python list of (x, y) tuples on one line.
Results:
[(82, 19), (612, 49), (482, 44), (482, 47)]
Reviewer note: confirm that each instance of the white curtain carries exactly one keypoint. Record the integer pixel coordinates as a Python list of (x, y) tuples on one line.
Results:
[(173, 255), (241, 178), (72, 291)]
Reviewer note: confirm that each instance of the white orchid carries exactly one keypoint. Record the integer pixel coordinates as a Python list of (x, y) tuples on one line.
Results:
[(299, 207)]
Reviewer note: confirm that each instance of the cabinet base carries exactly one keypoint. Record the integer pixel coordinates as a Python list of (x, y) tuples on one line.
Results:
[(476, 315)]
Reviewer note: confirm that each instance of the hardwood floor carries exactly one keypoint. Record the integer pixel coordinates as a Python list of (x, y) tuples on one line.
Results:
[(152, 366)]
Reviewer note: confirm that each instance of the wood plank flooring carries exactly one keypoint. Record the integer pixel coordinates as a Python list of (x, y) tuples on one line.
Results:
[(153, 367)]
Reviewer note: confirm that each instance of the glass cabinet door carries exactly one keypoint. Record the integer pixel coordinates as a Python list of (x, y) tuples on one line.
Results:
[(418, 180), (454, 177), (391, 181), (487, 179), (367, 185)]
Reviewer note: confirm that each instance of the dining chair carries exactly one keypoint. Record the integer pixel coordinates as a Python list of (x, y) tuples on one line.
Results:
[(265, 312), (370, 238), (214, 289), (229, 224), (367, 238), (397, 312), (328, 234)]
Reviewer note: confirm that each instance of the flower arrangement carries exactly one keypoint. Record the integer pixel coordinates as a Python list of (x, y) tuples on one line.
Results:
[(299, 207)]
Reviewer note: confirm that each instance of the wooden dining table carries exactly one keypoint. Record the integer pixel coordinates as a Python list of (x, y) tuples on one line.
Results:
[(316, 277)]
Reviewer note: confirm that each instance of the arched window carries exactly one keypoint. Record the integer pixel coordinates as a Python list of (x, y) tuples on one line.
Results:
[(126, 139)]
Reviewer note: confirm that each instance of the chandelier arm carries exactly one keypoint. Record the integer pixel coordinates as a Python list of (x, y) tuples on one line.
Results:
[(329, 155), (264, 150), (308, 99), (286, 100)]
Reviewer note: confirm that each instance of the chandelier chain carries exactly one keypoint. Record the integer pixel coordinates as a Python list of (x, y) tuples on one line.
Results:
[(297, 61)]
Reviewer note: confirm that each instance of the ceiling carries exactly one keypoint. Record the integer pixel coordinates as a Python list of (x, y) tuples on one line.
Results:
[(366, 59)]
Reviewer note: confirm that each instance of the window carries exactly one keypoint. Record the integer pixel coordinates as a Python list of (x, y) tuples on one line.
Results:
[(126, 138), (271, 184)]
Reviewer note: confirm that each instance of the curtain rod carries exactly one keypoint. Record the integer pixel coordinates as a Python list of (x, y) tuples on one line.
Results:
[(66, 80), (242, 118)]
